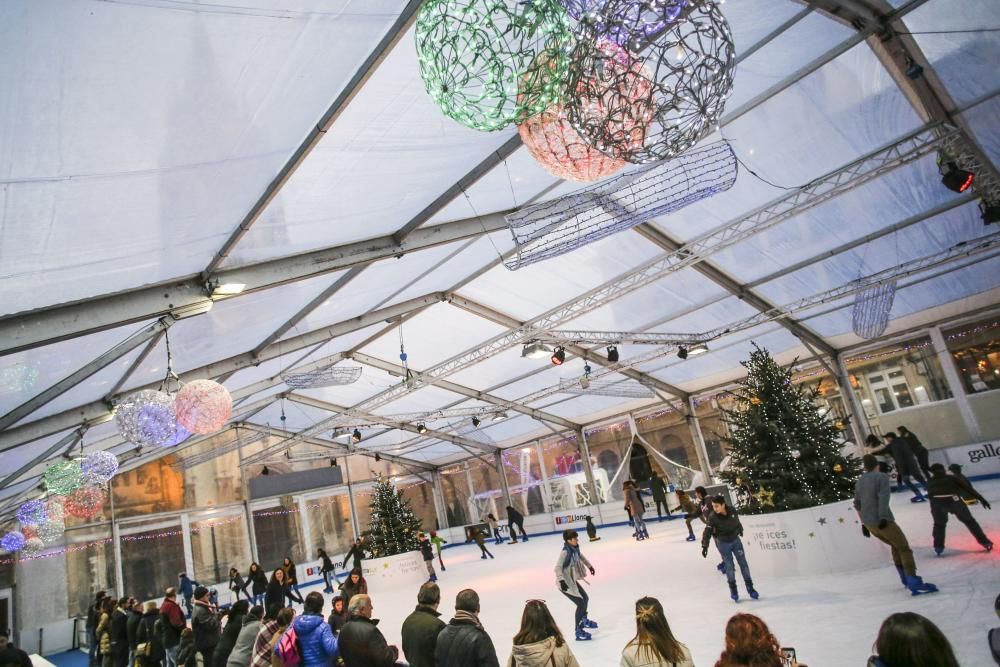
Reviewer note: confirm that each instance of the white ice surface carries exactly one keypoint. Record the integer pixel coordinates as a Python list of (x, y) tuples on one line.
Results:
[(831, 620)]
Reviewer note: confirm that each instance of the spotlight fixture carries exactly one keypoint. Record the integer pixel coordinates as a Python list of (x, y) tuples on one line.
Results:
[(613, 354), (990, 211), (914, 70), (536, 350), (421, 428), (356, 436), (333, 463), (698, 348), (476, 421), (682, 352), (499, 416), (956, 179), (558, 357), (265, 471), (377, 457)]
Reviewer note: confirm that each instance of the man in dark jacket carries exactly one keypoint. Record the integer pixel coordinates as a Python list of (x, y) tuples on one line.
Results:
[(10, 655), (360, 642), (515, 518), (173, 624), (724, 525), (205, 624), (93, 615), (421, 628), (917, 448), (132, 627), (659, 489), (357, 553), (946, 493), (464, 642), (119, 633), (905, 460)]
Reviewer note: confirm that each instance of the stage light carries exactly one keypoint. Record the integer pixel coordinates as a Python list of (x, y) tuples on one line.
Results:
[(377, 457), (697, 349), (356, 436), (265, 471), (957, 180), (500, 416), (558, 357), (990, 211), (536, 350), (421, 428), (476, 421), (682, 352), (613, 354), (333, 463)]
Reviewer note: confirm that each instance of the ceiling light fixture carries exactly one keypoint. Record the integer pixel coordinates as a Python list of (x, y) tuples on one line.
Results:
[(613, 354), (228, 289), (421, 428), (696, 349), (476, 421), (558, 357), (356, 436), (956, 179), (682, 352), (536, 350), (499, 416)]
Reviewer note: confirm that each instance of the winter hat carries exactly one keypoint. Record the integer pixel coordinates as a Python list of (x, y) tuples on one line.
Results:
[(200, 592)]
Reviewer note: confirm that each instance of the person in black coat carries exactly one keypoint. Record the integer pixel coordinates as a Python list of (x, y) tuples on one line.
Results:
[(724, 526), (291, 580), (326, 569), (659, 489), (464, 642), (119, 634), (357, 552), (274, 597), (361, 644), (93, 615), (421, 628), (917, 448), (257, 581), (515, 518), (338, 615), (147, 634), (354, 584), (134, 615), (946, 492), (10, 655), (427, 553), (234, 623), (905, 460)]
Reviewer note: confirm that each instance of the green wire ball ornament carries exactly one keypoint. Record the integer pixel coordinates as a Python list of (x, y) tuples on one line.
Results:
[(491, 63), (63, 478)]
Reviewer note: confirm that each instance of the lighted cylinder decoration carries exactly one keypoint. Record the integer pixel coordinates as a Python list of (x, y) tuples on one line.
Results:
[(480, 60), (85, 502), (146, 418), (32, 513), (99, 467), (203, 406)]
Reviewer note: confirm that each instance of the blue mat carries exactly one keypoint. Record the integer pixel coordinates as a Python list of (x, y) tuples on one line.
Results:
[(75, 658)]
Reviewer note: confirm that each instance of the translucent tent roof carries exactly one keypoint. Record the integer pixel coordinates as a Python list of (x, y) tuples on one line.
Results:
[(149, 146)]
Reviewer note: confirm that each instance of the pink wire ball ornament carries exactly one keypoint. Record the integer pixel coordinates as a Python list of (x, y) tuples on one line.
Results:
[(551, 139), (203, 406), (85, 502)]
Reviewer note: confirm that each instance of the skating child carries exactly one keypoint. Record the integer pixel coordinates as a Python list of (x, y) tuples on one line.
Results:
[(494, 525), (724, 525), (571, 569), (438, 541), (427, 551), (691, 512), (480, 538)]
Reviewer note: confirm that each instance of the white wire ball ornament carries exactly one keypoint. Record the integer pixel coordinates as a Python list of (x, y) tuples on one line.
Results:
[(32, 547), (54, 508), (554, 143), (203, 406), (99, 467), (32, 513), (689, 61), (146, 418), (51, 531), (85, 502)]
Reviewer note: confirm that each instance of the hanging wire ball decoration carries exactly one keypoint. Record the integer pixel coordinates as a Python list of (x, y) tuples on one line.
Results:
[(665, 13), (872, 309), (551, 139), (12, 541), (51, 531), (146, 417), (99, 467), (32, 513), (33, 546), (54, 508), (63, 477), (481, 61), (689, 61), (203, 406), (85, 502)]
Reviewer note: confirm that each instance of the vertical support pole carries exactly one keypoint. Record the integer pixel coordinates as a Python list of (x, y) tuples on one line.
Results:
[(581, 442), (350, 498), (546, 491), (186, 539), (440, 506), (859, 422), (247, 513), (955, 384), (504, 487), (691, 417), (116, 540), (306, 529)]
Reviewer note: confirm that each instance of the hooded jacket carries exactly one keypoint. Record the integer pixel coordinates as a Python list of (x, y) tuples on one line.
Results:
[(243, 649), (420, 632), (542, 654), (205, 625), (571, 566), (230, 633), (317, 644)]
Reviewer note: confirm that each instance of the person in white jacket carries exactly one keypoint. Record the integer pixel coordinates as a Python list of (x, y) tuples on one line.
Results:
[(654, 645), (539, 643), (571, 569)]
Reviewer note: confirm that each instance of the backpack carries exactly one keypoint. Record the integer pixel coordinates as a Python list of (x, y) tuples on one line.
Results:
[(287, 648)]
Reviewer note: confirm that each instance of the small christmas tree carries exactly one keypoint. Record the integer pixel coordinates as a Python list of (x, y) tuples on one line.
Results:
[(393, 526), (785, 454)]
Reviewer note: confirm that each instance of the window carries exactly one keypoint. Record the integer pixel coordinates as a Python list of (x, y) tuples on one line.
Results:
[(152, 557), (421, 499), (976, 351), (330, 523), (217, 544), (90, 569), (900, 376), (456, 495)]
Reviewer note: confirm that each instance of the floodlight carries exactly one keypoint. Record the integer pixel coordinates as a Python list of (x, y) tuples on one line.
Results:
[(421, 428), (499, 416), (956, 179), (356, 436), (695, 350), (682, 352), (613, 354), (536, 350), (476, 421)]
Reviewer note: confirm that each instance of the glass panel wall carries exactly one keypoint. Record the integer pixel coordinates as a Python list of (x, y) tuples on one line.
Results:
[(455, 485), (330, 524), (152, 557), (421, 498), (90, 566), (976, 351), (566, 485), (155, 487), (524, 479), (219, 542), (488, 498), (276, 528)]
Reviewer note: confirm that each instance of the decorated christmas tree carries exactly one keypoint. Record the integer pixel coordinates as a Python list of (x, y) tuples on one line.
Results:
[(786, 454), (393, 526)]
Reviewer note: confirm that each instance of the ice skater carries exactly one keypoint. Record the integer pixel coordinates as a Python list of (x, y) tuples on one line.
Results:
[(956, 470), (480, 538), (871, 500), (659, 489), (515, 519), (634, 505), (494, 525), (327, 569), (946, 492), (357, 552), (438, 541), (724, 525), (691, 512), (427, 551), (917, 448), (571, 568), (904, 459)]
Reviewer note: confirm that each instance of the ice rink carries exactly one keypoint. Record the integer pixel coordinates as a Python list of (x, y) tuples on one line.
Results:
[(829, 620)]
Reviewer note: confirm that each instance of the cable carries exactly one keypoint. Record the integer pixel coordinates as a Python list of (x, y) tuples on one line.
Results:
[(481, 224)]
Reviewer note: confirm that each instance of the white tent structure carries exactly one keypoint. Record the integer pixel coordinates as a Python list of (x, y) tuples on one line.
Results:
[(268, 184)]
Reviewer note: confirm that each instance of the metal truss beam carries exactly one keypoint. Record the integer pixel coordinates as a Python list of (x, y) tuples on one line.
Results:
[(617, 337), (62, 444), (425, 416)]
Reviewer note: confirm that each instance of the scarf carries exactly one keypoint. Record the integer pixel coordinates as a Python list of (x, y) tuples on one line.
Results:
[(467, 616)]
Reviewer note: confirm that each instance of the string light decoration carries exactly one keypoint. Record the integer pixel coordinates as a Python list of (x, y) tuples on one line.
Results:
[(203, 406), (99, 467), (557, 147), (85, 502), (690, 59), (590, 11), (557, 226), (330, 376), (146, 418), (51, 531), (12, 541), (33, 546), (63, 477), (32, 513), (491, 64), (872, 308), (54, 508)]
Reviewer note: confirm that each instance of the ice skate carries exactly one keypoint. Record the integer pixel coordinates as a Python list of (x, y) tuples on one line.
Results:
[(645, 534), (434, 577), (690, 538), (918, 499), (938, 551), (733, 593), (483, 557), (988, 546), (587, 623), (490, 555), (918, 586), (752, 591), (582, 635)]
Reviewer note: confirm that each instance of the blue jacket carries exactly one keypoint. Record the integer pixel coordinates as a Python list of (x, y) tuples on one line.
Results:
[(186, 586), (317, 645)]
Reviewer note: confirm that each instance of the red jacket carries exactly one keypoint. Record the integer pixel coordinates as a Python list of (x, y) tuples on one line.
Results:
[(174, 617)]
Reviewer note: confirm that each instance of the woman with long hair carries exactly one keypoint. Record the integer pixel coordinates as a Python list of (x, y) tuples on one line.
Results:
[(539, 643), (749, 643), (257, 582), (353, 585), (291, 580), (907, 639), (654, 645), (274, 598)]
